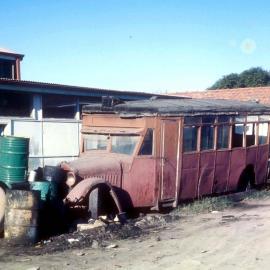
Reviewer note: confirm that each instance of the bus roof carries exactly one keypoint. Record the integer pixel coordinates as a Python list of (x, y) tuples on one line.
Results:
[(179, 107)]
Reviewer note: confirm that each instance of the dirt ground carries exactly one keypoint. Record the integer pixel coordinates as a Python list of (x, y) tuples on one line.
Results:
[(237, 237)]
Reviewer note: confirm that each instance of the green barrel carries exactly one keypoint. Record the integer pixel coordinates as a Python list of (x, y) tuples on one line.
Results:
[(14, 153)]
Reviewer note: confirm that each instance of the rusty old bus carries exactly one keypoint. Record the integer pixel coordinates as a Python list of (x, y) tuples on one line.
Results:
[(158, 152)]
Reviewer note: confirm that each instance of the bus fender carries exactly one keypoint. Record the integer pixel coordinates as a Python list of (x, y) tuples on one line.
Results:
[(79, 193)]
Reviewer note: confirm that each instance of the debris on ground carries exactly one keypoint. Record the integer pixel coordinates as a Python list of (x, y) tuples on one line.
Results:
[(112, 246), (96, 234), (89, 226)]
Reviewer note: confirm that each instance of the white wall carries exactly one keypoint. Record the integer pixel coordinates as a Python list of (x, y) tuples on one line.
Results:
[(51, 140)]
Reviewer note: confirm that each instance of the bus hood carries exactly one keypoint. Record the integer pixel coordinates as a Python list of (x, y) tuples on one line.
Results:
[(107, 166)]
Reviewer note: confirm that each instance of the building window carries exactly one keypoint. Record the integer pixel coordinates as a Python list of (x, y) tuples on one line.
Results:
[(237, 135), (190, 138), (223, 137), (58, 106), (2, 129), (15, 104), (147, 145), (7, 69), (263, 133)]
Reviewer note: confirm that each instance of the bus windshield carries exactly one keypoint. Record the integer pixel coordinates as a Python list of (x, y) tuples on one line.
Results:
[(122, 144), (95, 142)]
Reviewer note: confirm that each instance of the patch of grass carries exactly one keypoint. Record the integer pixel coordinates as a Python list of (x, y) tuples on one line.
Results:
[(209, 204), (258, 194), (205, 205)]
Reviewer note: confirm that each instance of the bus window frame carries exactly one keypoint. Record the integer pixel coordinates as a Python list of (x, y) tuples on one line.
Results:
[(230, 124)]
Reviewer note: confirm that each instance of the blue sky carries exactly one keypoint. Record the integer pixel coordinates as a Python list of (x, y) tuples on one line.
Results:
[(151, 45)]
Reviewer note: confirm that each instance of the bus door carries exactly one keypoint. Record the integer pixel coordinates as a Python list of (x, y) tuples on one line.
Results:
[(170, 156)]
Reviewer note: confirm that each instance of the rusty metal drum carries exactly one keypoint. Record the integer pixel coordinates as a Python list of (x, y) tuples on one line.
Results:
[(13, 159), (21, 216), (2, 208)]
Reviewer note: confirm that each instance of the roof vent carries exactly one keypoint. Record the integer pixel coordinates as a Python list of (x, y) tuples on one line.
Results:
[(109, 101)]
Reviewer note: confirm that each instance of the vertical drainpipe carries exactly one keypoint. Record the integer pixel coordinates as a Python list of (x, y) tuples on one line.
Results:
[(37, 115), (77, 117)]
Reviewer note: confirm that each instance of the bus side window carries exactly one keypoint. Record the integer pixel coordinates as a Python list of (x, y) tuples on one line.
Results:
[(263, 131), (207, 137), (190, 138), (223, 136), (250, 134), (237, 135), (147, 145)]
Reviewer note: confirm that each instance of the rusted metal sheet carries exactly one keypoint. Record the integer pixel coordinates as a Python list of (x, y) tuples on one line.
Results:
[(237, 166), (206, 173), (140, 182), (189, 177), (251, 156), (261, 167), (221, 171), (93, 166), (169, 158)]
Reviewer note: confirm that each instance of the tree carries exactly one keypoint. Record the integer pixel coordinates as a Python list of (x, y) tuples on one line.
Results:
[(249, 78), (228, 81)]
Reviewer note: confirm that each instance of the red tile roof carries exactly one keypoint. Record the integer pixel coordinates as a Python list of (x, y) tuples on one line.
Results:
[(257, 94)]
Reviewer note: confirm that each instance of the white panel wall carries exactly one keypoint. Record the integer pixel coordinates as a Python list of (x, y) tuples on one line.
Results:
[(60, 139), (50, 141), (32, 130)]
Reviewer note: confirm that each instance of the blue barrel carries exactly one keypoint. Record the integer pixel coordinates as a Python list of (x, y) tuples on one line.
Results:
[(14, 152)]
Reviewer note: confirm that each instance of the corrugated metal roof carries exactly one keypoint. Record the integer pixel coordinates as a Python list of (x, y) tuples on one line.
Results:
[(42, 87), (182, 107)]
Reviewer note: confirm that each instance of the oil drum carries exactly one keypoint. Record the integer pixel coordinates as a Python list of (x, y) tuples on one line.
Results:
[(21, 216), (14, 153)]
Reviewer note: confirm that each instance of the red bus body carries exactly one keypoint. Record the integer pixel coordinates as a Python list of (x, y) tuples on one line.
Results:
[(193, 148)]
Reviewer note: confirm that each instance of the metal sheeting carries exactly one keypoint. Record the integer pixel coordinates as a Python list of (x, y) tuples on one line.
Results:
[(53, 88), (181, 107)]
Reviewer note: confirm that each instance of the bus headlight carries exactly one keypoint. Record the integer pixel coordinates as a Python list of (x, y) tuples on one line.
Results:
[(71, 179)]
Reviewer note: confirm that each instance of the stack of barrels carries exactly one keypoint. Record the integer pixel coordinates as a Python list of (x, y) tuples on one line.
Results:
[(25, 207)]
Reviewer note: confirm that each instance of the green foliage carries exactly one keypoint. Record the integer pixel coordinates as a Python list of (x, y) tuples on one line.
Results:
[(249, 78)]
